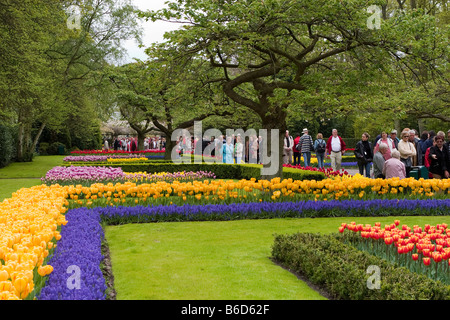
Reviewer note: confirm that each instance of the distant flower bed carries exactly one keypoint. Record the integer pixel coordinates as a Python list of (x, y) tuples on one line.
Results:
[(328, 171), (99, 158), (128, 160), (167, 176), (76, 174), (344, 164), (108, 152), (94, 174)]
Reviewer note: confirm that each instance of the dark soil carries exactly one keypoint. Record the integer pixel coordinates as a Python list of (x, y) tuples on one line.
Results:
[(107, 272)]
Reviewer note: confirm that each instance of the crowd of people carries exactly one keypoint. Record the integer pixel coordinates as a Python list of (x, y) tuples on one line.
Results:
[(231, 149), (131, 143), (395, 157), (389, 155)]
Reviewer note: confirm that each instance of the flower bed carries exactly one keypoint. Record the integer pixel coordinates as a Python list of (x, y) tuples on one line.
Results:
[(81, 174), (276, 190), (76, 261), (329, 172), (34, 217), (118, 152), (87, 175), (29, 227), (106, 158), (423, 250), (342, 270), (267, 210)]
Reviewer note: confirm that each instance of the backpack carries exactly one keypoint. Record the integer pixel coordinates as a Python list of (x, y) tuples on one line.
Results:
[(321, 147)]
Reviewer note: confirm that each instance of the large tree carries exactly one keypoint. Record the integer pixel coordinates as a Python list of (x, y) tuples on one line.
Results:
[(163, 96), (272, 53), (46, 68)]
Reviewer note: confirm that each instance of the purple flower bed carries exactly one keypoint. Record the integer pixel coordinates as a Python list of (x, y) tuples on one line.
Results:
[(267, 210), (93, 174), (74, 175), (344, 164), (79, 247)]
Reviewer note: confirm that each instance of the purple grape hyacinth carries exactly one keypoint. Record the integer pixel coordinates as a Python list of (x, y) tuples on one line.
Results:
[(76, 261)]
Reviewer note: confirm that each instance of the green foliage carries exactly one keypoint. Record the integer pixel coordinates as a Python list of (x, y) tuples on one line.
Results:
[(342, 270), (7, 145), (56, 148), (43, 148), (47, 71)]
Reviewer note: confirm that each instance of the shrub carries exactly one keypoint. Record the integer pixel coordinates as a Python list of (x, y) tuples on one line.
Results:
[(43, 148), (54, 148), (7, 145), (342, 270)]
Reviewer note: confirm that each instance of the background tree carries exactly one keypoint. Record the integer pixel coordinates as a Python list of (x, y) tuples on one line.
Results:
[(274, 53), (167, 95), (47, 69)]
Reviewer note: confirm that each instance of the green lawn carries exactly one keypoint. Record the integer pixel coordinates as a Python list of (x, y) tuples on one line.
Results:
[(214, 260), (35, 169), (8, 186), (25, 174)]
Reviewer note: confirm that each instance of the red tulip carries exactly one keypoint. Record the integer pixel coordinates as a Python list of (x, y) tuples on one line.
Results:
[(437, 257), (397, 222), (426, 261), (415, 256)]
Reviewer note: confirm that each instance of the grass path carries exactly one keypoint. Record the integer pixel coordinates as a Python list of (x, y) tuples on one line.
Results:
[(215, 260)]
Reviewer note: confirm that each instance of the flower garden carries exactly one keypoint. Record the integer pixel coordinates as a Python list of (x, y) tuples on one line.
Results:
[(52, 235)]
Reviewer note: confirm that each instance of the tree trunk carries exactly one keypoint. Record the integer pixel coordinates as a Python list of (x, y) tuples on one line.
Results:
[(20, 143), (277, 122), (141, 138), (36, 139), (169, 145)]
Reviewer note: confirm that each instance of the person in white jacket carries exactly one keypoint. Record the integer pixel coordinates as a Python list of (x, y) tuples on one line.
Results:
[(239, 149), (407, 151), (288, 150)]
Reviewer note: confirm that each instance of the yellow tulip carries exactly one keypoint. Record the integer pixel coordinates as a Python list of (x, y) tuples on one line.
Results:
[(20, 284)]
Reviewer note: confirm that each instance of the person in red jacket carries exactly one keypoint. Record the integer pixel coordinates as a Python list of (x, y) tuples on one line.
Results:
[(297, 154), (335, 148), (427, 161)]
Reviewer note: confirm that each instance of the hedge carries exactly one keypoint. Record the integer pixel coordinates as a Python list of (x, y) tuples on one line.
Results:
[(342, 270), (222, 171)]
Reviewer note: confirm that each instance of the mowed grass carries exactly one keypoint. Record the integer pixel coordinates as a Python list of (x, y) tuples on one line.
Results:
[(35, 169), (215, 260), (9, 186), (19, 175)]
